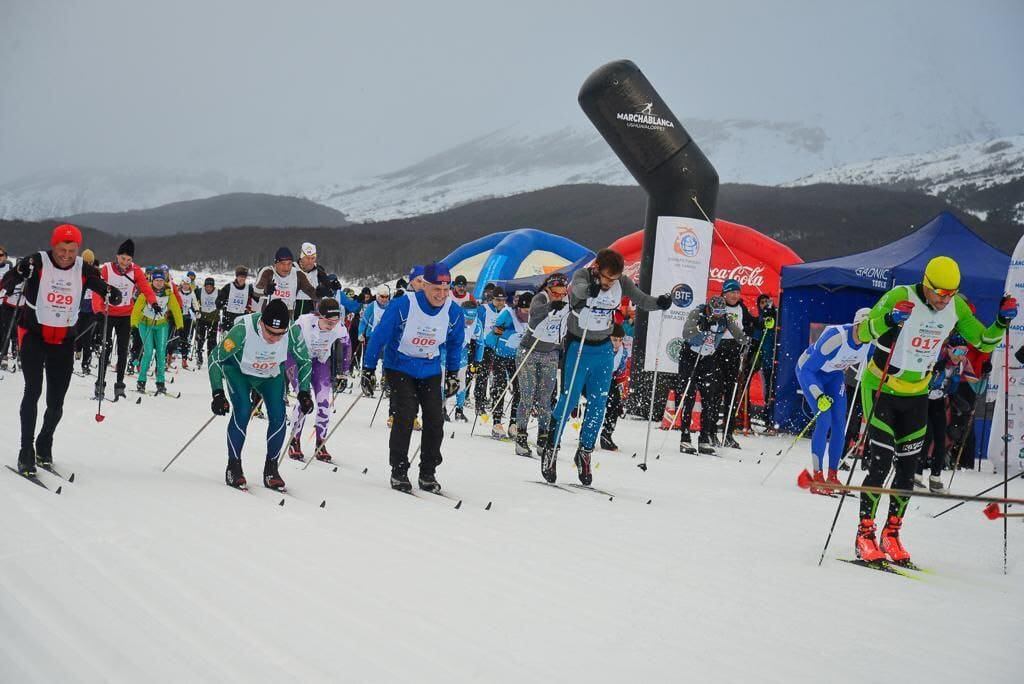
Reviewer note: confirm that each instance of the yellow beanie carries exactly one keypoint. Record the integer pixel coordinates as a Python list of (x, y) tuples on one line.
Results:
[(942, 273)]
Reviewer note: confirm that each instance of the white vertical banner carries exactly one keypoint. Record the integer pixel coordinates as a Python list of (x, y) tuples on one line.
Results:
[(682, 262), (1014, 429)]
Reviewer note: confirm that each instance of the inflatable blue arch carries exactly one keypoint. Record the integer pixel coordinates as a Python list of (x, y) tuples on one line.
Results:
[(512, 255)]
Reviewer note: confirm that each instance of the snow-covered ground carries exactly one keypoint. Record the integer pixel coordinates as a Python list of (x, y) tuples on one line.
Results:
[(132, 574)]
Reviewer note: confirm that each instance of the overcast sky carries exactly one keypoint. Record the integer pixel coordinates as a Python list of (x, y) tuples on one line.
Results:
[(359, 88)]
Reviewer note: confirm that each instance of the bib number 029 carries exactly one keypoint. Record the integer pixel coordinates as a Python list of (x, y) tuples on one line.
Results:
[(58, 299)]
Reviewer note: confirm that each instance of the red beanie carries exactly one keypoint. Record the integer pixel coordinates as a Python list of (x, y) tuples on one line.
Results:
[(66, 232)]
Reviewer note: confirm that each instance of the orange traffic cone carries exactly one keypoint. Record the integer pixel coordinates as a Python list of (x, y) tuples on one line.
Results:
[(695, 417), (669, 416)]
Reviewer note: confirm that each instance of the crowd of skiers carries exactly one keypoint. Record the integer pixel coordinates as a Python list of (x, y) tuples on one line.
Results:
[(915, 358)]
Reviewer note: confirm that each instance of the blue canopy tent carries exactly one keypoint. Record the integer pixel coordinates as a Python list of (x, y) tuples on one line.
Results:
[(514, 254), (832, 290), (533, 283)]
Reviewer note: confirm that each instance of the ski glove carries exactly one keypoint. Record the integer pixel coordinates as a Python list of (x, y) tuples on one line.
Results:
[(306, 402), (24, 268), (769, 323), (157, 309), (664, 301), (113, 295), (824, 403), (986, 367), (1007, 309), (594, 287), (451, 384), (557, 305), (899, 313), (220, 405), (333, 281), (369, 382)]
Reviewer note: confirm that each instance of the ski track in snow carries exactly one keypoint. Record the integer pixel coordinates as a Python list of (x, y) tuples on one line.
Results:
[(132, 573)]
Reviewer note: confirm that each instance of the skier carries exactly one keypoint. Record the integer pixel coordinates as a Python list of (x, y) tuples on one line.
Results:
[(8, 309), (729, 358), (372, 315), (412, 335), (505, 338), (945, 382), (125, 275), (595, 293), (460, 295), (208, 320), (234, 299), (538, 372), (250, 359), (316, 275), (189, 307), (703, 331), (763, 362), (619, 378), (910, 324), (85, 330), (53, 287), (151, 322), (821, 372), (484, 358), (328, 345), (469, 314)]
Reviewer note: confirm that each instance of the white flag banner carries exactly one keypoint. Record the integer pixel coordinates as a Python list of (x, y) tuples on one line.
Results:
[(682, 262), (1014, 428)]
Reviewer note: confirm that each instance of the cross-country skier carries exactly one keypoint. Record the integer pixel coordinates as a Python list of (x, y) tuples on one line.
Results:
[(85, 331), (538, 372), (189, 309), (946, 374), (151, 322), (729, 358), (53, 284), (703, 331), (469, 314), (762, 358), (909, 324), (208, 320), (235, 298), (251, 359), (8, 309), (372, 314), (595, 294), (505, 338), (619, 378), (328, 344), (821, 372), (125, 275), (411, 336), (460, 294), (484, 357)]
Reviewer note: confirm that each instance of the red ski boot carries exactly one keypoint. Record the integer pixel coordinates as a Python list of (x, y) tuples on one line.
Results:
[(295, 450), (833, 479), (891, 541), (865, 545), (321, 452), (816, 484)]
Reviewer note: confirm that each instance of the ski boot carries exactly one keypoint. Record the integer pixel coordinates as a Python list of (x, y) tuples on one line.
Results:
[(715, 443), (582, 461), (44, 450), (400, 480), (233, 476), (140, 387), (935, 484), (86, 369), (295, 450), (428, 483), (27, 462), (184, 363), (730, 442), (833, 478), (548, 463), (460, 415), (161, 388), (607, 444), (119, 391), (271, 478), (865, 545), (321, 453), (685, 443), (705, 445), (523, 445), (919, 482), (891, 541), (498, 431)]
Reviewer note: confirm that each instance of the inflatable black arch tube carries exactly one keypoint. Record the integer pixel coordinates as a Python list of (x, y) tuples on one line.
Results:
[(666, 162)]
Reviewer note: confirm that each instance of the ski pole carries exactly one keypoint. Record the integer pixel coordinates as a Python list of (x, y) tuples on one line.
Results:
[(654, 389), (804, 481), (192, 439), (338, 424), (1006, 434), (101, 380), (983, 386), (568, 389), (374, 416), (781, 455), (984, 491), (863, 436), (679, 409), (735, 384)]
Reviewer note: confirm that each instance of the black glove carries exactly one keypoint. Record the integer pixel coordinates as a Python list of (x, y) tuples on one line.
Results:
[(594, 286), (557, 305), (113, 295), (986, 367), (24, 267), (340, 383), (220, 405), (703, 322), (157, 309), (333, 281), (306, 404), (664, 301), (269, 292), (451, 383), (369, 382)]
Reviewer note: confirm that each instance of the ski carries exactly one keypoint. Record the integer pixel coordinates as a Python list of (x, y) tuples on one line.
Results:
[(31, 478), (588, 488), (53, 471), (552, 484), (881, 566)]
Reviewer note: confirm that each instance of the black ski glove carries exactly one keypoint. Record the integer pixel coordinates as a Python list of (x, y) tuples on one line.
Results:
[(703, 322), (664, 301), (986, 367), (157, 309), (451, 383), (306, 404), (333, 281), (557, 305), (594, 286), (24, 268), (220, 405), (113, 295)]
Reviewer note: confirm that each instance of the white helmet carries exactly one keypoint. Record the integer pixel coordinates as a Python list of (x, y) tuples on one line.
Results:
[(861, 315), (383, 291)]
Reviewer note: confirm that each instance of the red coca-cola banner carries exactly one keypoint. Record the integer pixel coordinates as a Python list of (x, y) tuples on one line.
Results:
[(737, 252)]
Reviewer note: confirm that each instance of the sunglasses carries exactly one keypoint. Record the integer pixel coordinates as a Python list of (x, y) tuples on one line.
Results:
[(942, 292)]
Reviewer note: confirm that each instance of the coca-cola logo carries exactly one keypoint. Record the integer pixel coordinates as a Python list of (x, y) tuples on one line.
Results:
[(752, 276)]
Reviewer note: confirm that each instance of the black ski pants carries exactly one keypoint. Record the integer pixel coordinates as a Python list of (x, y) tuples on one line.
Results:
[(57, 361), (704, 371), (896, 433), (727, 364), (122, 326), (85, 334), (934, 438), (408, 394)]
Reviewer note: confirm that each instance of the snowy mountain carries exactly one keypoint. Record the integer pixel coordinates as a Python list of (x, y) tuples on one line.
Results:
[(984, 178)]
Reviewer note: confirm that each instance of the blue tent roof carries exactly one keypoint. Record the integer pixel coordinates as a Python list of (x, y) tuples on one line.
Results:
[(982, 266)]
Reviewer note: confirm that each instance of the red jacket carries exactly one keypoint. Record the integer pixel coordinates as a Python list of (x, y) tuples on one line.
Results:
[(130, 283)]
